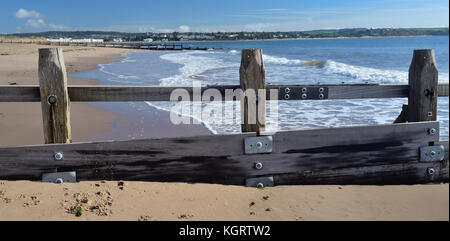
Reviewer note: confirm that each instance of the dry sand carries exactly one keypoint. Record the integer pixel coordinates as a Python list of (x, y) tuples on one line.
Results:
[(20, 124), (135, 201)]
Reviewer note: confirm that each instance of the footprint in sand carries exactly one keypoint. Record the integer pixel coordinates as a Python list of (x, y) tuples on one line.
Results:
[(31, 201), (185, 216), (3, 198), (145, 218)]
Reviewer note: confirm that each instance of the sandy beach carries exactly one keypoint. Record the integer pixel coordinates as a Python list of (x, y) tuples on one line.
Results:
[(18, 66), (21, 124), (135, 201)]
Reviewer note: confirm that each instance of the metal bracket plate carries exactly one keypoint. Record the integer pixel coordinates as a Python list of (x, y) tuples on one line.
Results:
[(60, 177), (303, 93), (260, 182), (432, 153), (258, 144)]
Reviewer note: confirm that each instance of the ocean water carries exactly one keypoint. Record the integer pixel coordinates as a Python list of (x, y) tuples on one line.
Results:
[(325, 61)]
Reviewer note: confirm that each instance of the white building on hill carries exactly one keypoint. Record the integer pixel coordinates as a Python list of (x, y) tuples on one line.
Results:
[(70, 40)]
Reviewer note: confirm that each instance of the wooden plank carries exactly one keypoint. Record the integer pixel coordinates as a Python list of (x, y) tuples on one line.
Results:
[(367, 91), (395, 174), (392, 174), (54, 96), (423, 82), (83, 93), (221, 159), (252, 75), (13, 93)]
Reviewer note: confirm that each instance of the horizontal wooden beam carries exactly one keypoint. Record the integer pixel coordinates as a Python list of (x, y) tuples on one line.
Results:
[(395, 174), (222, 159), (410, 173), (146, 93)]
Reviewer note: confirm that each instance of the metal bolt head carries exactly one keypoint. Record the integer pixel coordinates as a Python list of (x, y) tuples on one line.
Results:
[(304, 90), (321, 90), (260, 185), (58, 156), (259, 144), (287, 90), (259, 166), (431, 171), (433, 153), (432, 131), (52, 99), (304, 96), (321, 96), (59, 181), (287, 96)]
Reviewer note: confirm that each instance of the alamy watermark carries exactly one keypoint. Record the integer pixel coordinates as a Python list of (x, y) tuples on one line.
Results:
[(211, 107)]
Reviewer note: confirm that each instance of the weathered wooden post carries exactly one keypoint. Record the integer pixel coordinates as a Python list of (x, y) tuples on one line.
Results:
[(54, 96), (253, 76), (423, 87)]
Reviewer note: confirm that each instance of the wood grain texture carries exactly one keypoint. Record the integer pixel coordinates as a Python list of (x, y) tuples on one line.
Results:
[(53, 84), (221, 159), (83, 93), (367, 91), (252, 75), (423, 87), (395, 174), (13, 93), (392, 174)]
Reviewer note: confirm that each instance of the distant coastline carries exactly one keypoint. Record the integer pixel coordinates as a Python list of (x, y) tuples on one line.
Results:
[(232, 36), (287, 39), (32, 40)]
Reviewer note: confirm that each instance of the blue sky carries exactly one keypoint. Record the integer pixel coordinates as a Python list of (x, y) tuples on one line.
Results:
[(223, 15)]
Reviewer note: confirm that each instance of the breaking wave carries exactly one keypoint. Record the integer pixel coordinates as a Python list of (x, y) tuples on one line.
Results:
[(357, 73)]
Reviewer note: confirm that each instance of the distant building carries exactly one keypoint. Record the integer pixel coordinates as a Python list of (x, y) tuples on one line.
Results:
[(148, 40), (59, 40), (87, 40), (70, 40), (118, 40)]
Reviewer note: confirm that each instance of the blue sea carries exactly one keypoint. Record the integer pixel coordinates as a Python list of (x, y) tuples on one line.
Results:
[(324, 61)]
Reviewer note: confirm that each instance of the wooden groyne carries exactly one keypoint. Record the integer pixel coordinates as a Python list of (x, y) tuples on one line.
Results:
[(409, 151)]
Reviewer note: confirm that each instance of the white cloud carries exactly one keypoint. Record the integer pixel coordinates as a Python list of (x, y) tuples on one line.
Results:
[(25, 14), (36, 20), (35, 23), (184, 28)]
